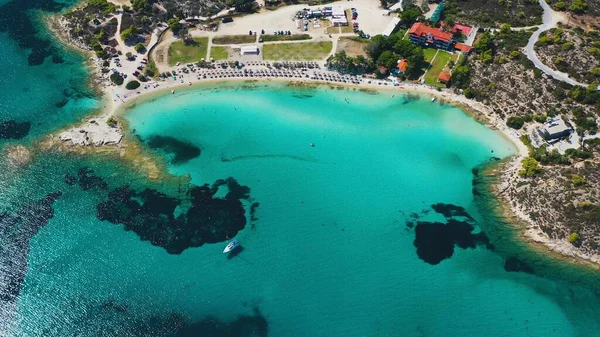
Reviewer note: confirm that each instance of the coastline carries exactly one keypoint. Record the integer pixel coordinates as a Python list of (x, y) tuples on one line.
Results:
[(131, 151), (537, 251)]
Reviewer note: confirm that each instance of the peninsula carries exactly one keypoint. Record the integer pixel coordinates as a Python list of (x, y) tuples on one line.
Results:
[(526, 68)]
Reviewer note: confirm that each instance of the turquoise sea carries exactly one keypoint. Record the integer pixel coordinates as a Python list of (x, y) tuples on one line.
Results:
[(385, 227)]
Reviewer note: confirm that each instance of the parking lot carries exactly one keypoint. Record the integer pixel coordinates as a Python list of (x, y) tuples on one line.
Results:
[(372, 19)]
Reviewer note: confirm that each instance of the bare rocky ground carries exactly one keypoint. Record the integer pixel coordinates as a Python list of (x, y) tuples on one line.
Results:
[(574, 51), (558, 207), (551, 200), (492, 13)]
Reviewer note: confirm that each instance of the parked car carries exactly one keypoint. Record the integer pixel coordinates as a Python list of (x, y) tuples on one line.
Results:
[(226, 19)]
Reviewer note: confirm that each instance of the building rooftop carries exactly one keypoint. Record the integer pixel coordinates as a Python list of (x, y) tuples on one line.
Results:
[(444, 77), (462, 47), (461, 28), (556, 126), (390, 27), (402, 65), (422, 30)]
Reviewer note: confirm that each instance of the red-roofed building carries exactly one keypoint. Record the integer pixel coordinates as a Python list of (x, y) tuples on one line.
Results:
[(424, 35), (402, 66), (465, 30), (444, 77), (463, 48)]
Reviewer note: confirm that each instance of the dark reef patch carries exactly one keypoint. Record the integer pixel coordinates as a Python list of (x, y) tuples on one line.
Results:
[(236, 191), (253, 208), (16, 230), (435, 241), (175, 325), (181, 151), (13, 130), (450, 211), (303, 96), (70, 180), (61, 103), (514, 264), (86, 179), (201, 217), (16, 19)]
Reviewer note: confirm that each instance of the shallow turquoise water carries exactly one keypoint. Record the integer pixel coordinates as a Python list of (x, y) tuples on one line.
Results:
[(330, 254)]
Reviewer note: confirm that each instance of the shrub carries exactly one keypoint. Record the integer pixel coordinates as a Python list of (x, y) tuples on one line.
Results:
[(530, 167), (560, 6), (116, 78), (574, 238), (515, 122), (140, 48), (128, 33), (111, 122), (132, 85), (540, 118), (577, 180), (469, 93)]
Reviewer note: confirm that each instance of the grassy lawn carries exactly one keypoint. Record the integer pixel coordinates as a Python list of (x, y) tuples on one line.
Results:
[(187, 53), (438, 65), (293, 37), (219, 53), (429, 54), (234, 39), (297, 51)]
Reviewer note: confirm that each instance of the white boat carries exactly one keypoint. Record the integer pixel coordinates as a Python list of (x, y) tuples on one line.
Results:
[(433, 99), (231, 246)]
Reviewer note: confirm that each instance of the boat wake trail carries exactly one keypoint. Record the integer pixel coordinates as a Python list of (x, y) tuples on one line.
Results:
[(270, 156)]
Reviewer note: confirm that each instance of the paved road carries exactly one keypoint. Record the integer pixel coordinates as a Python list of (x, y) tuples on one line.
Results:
[(549, 21)]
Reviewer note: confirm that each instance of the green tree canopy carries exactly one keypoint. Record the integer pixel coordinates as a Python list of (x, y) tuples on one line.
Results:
[(410, 15), (530, 167), (175, 25), (578, 6), (460, 76), (515, 122), (387, 59), (128, 33), (416, 61), (140, 47), (132, 85)]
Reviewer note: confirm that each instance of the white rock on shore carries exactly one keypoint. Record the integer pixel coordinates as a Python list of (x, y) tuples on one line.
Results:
[(96, 131)]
